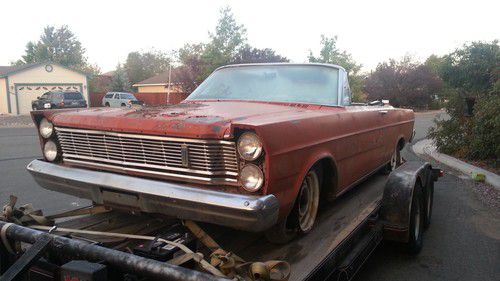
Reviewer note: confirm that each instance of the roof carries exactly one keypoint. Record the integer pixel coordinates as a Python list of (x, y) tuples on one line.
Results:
[(109, 73), (11, 69), (4, 70), (161, 79)]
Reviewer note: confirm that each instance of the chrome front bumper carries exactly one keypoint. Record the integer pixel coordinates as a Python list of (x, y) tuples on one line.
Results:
[(246, 212)]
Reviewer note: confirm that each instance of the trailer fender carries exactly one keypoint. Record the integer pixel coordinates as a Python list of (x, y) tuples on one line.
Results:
[(398, 196)]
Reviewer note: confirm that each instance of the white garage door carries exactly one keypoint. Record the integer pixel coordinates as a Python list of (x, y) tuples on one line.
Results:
[(28, 93)]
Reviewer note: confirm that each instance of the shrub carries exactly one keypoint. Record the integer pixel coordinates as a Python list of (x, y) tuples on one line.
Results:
[(485, 129), (474, 138)]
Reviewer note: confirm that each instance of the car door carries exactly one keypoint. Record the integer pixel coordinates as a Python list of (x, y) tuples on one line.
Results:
[(389, 133), (361, 150), (106, 98)]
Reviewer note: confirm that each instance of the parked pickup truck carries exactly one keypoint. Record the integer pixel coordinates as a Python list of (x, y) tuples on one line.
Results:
[(255, 147)]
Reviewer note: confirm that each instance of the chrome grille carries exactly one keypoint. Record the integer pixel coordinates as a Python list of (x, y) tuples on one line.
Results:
[(209, 161)]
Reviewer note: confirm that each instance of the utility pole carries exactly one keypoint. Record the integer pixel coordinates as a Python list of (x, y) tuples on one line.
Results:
[(168, 86)]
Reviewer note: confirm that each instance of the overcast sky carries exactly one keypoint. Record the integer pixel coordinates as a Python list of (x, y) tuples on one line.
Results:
[(373, 31)]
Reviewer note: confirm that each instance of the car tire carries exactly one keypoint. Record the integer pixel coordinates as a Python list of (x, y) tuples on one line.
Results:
[(416, 228), (123, 105), (303, 215), (396, 161), (428, 202), (106, 104)]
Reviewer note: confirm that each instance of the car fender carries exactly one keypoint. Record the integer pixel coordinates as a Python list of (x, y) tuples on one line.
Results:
[(308, 164)]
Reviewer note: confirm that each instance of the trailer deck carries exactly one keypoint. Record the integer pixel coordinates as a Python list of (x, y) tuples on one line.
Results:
[(335, 225), (346, 233)]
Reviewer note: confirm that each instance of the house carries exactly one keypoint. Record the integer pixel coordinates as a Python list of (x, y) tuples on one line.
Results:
[(157, 90), (21, 84)]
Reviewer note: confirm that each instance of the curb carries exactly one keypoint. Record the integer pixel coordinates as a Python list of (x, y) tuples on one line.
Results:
[(427, 147)]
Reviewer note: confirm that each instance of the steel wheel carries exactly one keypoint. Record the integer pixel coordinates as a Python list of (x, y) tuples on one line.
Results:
[(301, 218), (308, 201), (396, 161)]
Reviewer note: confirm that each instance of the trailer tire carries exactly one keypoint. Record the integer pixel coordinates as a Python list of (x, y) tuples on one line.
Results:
[(416, 229), (303, 215), (429, 201)]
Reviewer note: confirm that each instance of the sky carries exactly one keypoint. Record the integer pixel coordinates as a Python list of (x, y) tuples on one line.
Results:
[(372, 31)]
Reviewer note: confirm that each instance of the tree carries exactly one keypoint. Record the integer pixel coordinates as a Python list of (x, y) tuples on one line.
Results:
[(331, 54), (140, 66), (190, 73), (225, 43), (227, 46), (247, 54), (404, 83), (472, 69), (120, 81), (57, 45)]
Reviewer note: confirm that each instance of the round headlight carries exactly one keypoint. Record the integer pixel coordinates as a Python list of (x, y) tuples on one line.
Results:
[(251, 178), (50, 151), (46, 128), (249, 146)]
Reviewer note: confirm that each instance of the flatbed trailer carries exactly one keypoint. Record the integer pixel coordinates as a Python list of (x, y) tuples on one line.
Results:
[(395, 207)]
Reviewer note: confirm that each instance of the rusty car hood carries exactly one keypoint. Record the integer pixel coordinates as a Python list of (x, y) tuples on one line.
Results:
[(208, 119)]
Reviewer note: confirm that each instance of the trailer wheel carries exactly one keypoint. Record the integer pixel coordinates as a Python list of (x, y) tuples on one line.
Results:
[(416, 228), (303, 215), (429, 201)]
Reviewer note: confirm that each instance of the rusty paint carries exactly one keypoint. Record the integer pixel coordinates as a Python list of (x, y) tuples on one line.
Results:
[(357, 139)]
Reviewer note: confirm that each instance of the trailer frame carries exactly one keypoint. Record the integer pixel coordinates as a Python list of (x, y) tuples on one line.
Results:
[(390, 217)]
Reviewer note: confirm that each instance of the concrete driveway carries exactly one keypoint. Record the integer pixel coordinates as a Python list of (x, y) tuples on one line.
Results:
[(463, 242)]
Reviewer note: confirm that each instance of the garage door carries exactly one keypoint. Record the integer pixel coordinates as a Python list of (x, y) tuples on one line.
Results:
[(26, 93)]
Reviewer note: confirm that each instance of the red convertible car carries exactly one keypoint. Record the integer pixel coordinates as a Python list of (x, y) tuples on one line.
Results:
[(254, 147)]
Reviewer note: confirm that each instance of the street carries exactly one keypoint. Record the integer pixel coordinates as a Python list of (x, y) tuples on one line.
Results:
[(463, 242)]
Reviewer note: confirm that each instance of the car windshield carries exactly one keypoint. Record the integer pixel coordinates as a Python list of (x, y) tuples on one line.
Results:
[(73, 96), (127, 96), (313, 84)]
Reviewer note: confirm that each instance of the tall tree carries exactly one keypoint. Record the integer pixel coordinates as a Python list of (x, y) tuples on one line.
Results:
[(247, 54), (474, 68), (120, 81), (228, 39), (58, 45), (404, 83), (140, 66), (329, 53), (190, 73)]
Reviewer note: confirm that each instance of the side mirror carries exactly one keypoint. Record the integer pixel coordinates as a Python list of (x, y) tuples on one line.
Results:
[(38, 98)]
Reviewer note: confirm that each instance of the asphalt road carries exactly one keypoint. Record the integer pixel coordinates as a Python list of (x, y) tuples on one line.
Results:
[(463, 242), (18, 146)]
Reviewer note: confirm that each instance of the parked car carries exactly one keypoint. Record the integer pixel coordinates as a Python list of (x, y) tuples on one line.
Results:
[(118, 99), (254, 147), (53, 100)]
